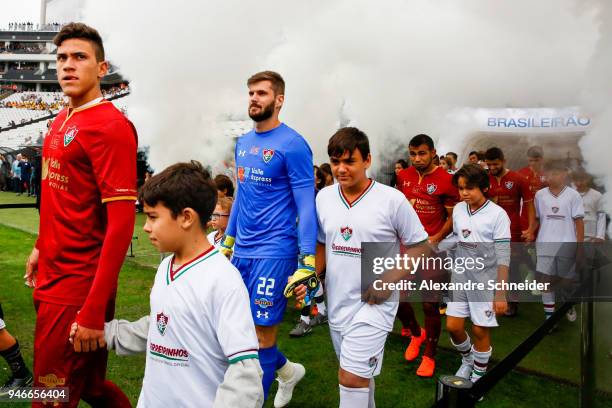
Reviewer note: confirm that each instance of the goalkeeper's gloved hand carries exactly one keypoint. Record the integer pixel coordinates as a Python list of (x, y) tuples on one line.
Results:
[(304, 275), (227, 246)]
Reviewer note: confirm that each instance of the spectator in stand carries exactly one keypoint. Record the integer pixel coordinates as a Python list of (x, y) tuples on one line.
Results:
[(3, 173), (225, 187)]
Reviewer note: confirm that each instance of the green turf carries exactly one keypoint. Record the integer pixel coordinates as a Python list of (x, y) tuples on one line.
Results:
[(557, 355)]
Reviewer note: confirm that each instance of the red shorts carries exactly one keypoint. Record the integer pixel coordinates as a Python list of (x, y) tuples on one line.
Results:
[(56, 364)]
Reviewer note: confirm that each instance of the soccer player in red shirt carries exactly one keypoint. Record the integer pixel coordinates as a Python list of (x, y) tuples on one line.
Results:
[(430, 190), (535, 178), (86, 222), (507, 189)]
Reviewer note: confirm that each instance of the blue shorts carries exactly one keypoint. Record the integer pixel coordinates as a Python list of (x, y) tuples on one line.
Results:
[(265, 280)]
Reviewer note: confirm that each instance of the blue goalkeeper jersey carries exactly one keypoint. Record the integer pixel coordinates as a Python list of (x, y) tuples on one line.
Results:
[(275, 186)]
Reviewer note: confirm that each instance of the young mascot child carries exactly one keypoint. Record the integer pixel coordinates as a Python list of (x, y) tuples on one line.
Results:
[(482, 229), (219, 220), (200, 338)]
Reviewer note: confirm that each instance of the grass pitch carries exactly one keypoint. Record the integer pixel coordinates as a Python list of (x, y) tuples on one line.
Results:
[(547, 377)]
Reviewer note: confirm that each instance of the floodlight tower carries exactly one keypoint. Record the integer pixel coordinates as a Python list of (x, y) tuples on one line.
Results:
[(43, 11)]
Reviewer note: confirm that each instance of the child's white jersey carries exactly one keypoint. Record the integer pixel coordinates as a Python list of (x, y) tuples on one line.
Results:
[(483, 237), (594, 214), (379, 214), (200, 323), (557, 214), (212, 240)]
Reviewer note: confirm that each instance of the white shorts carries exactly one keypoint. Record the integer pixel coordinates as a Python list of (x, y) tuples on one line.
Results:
[(480, 313), (2, 324), (559, 266), (360, 348)]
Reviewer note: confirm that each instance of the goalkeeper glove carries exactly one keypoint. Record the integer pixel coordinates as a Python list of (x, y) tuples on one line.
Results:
[(304, 275), (227, 246)]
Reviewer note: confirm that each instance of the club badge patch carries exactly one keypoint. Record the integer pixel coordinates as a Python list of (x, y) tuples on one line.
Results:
[(346, 232), (466, 232), (267, 155), (555, 210), (431, 188), (509, 185), (70, 134), (372, 361), (162, 323)]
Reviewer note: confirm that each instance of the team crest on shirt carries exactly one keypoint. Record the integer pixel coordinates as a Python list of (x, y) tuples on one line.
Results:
[(372, 361), (555, 210), (267, 155), (489, 313), (465, 232), (346, 232), (162, 323), (70, 134), (431, 188), (509, 185)]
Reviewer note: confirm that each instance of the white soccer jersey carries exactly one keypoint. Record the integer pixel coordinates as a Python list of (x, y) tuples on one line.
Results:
[(594, 214), (212, 240), (478, 235), (379, 214), (200, 323), (557, 214)]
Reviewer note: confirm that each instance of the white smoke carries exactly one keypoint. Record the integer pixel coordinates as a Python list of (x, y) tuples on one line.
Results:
[(393, 68)]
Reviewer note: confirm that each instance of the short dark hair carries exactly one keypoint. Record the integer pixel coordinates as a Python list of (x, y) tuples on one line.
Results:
[(473, 152), (402, 163), (224, 183), (347, 139), (494, 153), (319, 174), (474, 175), (453, 155), (555, 165), (535, 152), (180, 186), (277, 81), (581, 174), (83, 32), (422, 139)]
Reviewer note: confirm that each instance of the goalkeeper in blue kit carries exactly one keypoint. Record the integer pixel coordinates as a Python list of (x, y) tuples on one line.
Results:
[(275, 187)]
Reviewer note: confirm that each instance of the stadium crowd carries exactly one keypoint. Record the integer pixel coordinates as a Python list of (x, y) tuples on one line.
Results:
[(30, 26)]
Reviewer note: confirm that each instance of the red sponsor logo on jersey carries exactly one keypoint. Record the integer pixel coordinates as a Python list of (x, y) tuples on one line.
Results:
[(241, 173), (254, 150), (267, 155)]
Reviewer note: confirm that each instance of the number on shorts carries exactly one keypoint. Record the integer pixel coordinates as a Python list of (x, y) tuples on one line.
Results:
[(265, 286)]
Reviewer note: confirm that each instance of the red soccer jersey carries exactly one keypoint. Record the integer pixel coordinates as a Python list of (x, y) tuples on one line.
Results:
[(536, 182), (430, 195), (89, 158), (507, 192)]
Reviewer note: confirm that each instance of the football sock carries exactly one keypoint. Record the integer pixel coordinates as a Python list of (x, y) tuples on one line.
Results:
[(285, 373), (13, 357), (305, 314), (281, 360), (371, 402), (354, 397), (320, 300), (481, 360), (548, 299), (465, 349), (268, 358), (405, 314), (433, 326)]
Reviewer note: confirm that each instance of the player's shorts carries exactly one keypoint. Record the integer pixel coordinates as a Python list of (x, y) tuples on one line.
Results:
[(559, 266), (360, 348), (265, 280), (56, 364), (481, 313)]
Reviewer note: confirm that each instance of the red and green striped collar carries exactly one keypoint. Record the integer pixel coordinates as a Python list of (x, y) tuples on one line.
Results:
[(171, 275), (470, 212), (348, 204)]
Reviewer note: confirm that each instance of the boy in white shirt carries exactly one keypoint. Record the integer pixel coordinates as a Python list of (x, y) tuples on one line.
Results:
[(482, 230), (354, 211), (200, 339), (219, 220)]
